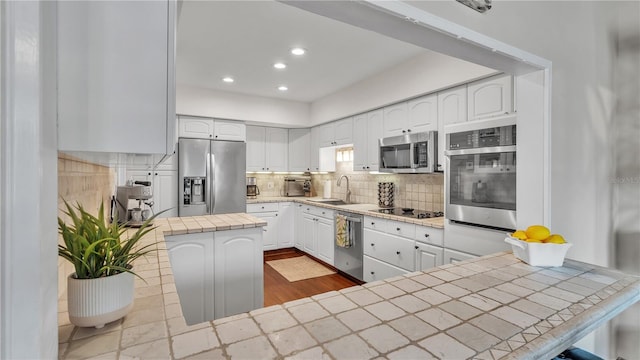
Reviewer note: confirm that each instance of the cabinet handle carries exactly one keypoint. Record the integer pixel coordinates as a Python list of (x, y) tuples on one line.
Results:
[(156, 174), (210, 135), (426, 235), (397, 252), (364, 167), (372, 244), (276, 214), (372, 223), (216, 136), (323, 213), (404, 131), (398, 229), (367, 167), (408, 130), (373, 272), (149, 174), (417, 247)]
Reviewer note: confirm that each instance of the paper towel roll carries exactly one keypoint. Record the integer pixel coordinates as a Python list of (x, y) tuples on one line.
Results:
[(327, 189)]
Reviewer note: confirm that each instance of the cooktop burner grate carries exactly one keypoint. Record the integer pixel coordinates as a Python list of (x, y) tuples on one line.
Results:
[(409, 212)]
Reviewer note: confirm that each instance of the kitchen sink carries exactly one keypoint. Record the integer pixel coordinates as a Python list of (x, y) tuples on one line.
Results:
[(331, 201)]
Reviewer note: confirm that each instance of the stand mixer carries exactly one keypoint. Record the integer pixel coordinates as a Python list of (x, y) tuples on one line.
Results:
[(133, 203)]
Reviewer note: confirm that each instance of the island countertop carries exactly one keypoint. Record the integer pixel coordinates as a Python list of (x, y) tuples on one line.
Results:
[(493, 307)]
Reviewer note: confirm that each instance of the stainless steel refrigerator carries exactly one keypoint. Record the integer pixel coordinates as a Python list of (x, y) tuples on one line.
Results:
[(211, 177)]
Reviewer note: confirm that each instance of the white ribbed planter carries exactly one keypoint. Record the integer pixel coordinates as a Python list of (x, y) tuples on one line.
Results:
[(95, 302)]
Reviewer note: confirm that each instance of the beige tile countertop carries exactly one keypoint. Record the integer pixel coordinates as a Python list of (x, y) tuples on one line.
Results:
[(493, 307), (364, 209)]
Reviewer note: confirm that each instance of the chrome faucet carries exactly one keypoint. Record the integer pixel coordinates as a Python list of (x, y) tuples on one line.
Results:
[(347, 198)]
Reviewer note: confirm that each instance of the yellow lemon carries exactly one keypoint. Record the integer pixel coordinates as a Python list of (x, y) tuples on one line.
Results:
[(533, 240), (537, 232), (519, 234), (555, 239)]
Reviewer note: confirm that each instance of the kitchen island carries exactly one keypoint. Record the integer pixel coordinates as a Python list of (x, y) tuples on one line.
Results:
[(491, 307)]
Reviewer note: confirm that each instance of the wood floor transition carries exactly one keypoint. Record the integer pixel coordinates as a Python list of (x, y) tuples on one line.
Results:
[(278, 290)]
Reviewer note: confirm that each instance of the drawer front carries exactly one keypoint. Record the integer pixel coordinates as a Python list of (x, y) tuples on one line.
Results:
[(391, 249), (319, 212), (429, 235), (401, 229), (374, 270), (375, 223), (262, 207)]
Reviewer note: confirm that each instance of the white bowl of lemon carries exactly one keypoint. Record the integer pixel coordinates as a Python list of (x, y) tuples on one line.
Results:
[(538, 247)]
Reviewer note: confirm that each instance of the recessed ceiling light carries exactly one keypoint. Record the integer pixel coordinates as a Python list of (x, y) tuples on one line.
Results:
[(298, 51), (227, 79), (283, 88), (279, 65)]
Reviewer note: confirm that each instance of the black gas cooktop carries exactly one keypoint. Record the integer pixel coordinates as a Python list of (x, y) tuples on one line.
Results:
[(409, 212)]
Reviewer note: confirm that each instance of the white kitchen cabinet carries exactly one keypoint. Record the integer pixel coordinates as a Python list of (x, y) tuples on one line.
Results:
[(270, 236), (169, 162), (325, 234), (238, 272), (490, 97), (395, 119), (422, 114), (164, 185), (115, 95), (299, 150), (428, 256), (299, 235), (413, 116), (453, 256), (374, 269), (192, 261), (429, 235), (229, 130), (338, 132), (207, 128), (309, 234), (391, 249), (318, 232), (286, 215), (368, 128), (343, 131), (452, 105), (217, 274), (266, 149), (314, 154)]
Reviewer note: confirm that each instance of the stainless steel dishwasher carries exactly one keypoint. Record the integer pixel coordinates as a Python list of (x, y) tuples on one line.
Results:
[(349, 259)]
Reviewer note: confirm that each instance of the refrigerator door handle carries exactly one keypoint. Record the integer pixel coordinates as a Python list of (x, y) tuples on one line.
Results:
[(207, 197), (212, 181)]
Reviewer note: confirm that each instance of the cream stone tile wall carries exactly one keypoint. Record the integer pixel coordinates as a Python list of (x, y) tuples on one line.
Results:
[(423, 191), (87, 184)]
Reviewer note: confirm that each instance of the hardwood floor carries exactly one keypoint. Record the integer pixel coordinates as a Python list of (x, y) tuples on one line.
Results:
[(278, 290)]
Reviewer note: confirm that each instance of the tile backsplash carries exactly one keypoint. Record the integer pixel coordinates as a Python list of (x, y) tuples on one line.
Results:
[(418, 191), (84, 183)]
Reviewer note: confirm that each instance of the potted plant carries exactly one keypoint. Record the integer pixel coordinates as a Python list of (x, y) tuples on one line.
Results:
[(101, 288)]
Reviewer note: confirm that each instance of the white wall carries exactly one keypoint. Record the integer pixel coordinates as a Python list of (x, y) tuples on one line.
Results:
[(197, 101), (420, 75)]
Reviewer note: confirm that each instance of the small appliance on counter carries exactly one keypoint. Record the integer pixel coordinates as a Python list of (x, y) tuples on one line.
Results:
[(252, 188), (385, 194), (306, 187), (295, 186), (133, 203)]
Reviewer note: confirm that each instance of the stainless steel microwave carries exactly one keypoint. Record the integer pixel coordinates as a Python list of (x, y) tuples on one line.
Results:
[(411, 153)]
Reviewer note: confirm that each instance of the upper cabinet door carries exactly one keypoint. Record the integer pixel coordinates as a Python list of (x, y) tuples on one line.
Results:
[(277, 147), (490, 97), (197, 128), (423, 114), (360, 142), (255, 148), (374, 133), (229, 130), (299, 150), (314, 154), (326, 134), (395, 120), (115, 64), (343, 130), (452, 105)]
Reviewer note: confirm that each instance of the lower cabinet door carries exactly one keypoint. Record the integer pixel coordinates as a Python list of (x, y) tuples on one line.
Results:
[(428, 256), (325, 235), (191, 258), (270, 238), (239, 284), (375, 269), (298, 234), (286, 215), (452, 256), (392, 249), (309, 234)]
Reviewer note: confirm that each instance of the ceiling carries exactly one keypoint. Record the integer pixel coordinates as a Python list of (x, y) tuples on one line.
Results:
[(243, 39)]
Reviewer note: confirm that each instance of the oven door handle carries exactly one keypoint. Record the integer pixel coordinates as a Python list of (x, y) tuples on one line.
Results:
[(484, 150)]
